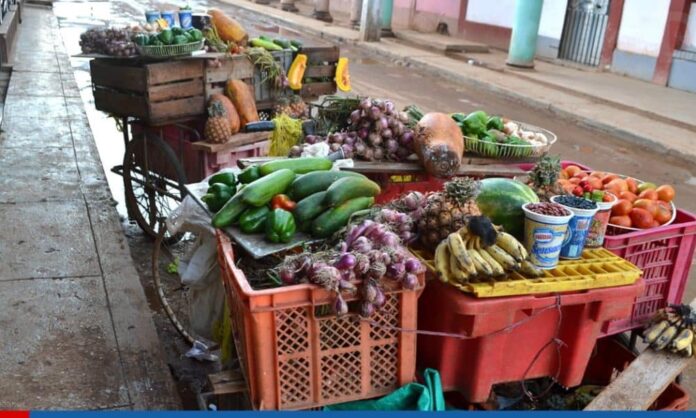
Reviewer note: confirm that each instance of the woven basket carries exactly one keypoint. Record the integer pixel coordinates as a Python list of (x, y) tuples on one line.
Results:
[(169, 50), (511, 151)]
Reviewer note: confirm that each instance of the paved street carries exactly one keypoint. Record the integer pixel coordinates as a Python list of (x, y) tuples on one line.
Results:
[(377, 77)]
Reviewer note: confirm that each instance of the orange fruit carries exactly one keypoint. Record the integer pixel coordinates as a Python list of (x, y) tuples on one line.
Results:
[(622, 207), (641, 218), (620, 221), (647, 204), (628, 196), (572, 170), (648, 194), (665, 193)]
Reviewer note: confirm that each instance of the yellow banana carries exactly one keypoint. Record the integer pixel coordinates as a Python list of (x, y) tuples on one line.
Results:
[(665, 338), (682, 340), (505, 259), (458, 274), (654, 331), (442, 262), (510, 245), (482, 268), (498, 270), (459, 251), (530, 270)]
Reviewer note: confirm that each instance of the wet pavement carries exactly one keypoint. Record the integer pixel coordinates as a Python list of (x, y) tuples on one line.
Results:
[(374, 76)]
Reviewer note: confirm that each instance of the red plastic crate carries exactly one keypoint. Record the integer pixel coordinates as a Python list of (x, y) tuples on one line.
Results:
[(665, 255), (489, 355), (611, 358), (295, 354)]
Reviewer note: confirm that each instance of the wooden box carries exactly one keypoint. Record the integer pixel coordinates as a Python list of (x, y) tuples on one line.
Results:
[(319, 76), (235, 67), (156, 93)]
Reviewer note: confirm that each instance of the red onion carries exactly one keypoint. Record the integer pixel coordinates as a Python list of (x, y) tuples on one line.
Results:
[(360, 148), (334, 147), (287, 275), (402, 153), (389, 106), (387, 133), (363, 133), (366, 310), (396, 271), (378, 154), (369, 292), (365, 124), (403, 117), (383, 123), (347, 286), (362, 245), (350, 140), (407, 138), (413, 265), (355, 116), (392, 146), (398, 129), (375, 113), (340, 306), (410, 281), (380, 299), (369, 154), (374, 139), (365, 104), (377, 270), (346, 262), (311, 139), (362, 265), (347, 151)]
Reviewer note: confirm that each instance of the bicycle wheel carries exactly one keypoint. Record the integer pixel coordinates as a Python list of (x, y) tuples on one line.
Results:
[(153, 182)]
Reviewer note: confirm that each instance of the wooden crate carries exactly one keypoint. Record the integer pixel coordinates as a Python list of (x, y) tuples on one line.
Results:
[(235, 67), (156, 93), (318, 79)]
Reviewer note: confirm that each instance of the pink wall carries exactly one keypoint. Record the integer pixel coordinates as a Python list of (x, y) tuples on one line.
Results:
[(444, 8), (427, 15)]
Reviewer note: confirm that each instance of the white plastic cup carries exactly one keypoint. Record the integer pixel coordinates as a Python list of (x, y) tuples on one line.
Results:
[(579, 225), (598, 228), (543, 237)]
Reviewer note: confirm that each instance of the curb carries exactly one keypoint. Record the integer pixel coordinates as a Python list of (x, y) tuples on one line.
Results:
[(534, 103)]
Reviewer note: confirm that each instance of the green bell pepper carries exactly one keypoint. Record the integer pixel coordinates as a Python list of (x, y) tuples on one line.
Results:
[(141, 39), (495, 122), (475, 123), (218, 194), (225, 177), (249, 174), (280, 226), (254, 219), (196, 34), (176, 30), (180, 40), (166, 37)]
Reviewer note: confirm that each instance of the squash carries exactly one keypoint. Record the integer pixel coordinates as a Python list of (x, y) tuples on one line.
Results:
[(342, 75), (232, 114), (228, 29), (243, 98), (296, 71), (439, 144)]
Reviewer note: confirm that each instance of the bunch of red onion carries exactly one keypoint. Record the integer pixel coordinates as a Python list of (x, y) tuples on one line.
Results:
[(381, 131)]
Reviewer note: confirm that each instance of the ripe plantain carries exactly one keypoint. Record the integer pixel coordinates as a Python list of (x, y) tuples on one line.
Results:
[(458, 249), (666, 337), (482, 268), (442, 262), (458, 274), (505, 259), (530, 270), (510, 245), (498, 269), (682, 340), (653, 332)]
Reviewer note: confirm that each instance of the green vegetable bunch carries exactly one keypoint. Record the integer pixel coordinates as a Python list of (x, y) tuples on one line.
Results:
[(489, 131), (173, 36)]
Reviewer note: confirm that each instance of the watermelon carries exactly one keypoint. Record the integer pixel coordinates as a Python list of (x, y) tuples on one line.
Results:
[(502, 199)]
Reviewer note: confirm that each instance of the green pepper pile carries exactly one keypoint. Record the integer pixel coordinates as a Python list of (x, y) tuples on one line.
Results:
[(222, 186), (489, 130), (173, 36)]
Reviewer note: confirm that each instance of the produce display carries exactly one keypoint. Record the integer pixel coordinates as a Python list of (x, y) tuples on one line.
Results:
[(672, 329), (640, 205), (502, 199), (217, 127), (116, 42)]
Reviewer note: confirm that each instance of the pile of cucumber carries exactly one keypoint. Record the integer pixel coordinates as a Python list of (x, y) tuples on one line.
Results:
[(275, 44), (325, 199)]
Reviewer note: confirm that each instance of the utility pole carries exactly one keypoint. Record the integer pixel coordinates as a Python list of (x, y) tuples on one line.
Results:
[(321, 11), (370, 22), (525, 30), (355, 13), (386, 20)]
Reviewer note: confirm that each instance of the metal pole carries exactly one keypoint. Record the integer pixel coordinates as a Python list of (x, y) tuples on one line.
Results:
[(370, 27), (386, 18), (355, 13), (525, 30), (321, 11)]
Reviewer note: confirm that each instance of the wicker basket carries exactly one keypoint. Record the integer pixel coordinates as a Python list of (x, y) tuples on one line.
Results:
[(510, 151), (161, 51)]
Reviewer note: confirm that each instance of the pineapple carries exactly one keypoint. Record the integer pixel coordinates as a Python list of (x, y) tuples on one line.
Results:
[(217, 127), (446, 211), (544, 178), (292, 106)]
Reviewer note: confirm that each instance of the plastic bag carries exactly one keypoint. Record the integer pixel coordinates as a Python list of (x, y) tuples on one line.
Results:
[(411, 397)]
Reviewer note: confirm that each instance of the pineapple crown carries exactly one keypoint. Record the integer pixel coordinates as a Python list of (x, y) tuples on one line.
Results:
[(216, 109), (462, 189), (546, 171)]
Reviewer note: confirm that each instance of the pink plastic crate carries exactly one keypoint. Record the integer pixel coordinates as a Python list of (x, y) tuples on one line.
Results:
[(665, 255)]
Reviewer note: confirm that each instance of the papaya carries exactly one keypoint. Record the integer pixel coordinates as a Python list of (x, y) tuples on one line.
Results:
[(342, 75), (243, 99), (232, 114), (228, 29), (296, 71)]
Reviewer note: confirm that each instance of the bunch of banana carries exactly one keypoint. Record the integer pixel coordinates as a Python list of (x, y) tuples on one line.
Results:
[(673, 330), (463, 257)]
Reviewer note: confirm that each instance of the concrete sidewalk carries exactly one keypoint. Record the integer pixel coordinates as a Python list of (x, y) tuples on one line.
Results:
[(76, 331), (658, 118)]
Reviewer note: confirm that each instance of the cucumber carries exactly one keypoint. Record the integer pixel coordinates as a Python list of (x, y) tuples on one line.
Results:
[(230, 212), (310, 207), (349, 188), (298, 165), (261, 191), (317, 181), (249, 174), (297, 44), (267, 45), (329, 222), (283, 43), (266, 38), (260, 126)]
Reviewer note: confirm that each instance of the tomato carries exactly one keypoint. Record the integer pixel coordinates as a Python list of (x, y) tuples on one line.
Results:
[(572, 170), (609, 177), (641, 218), (665, 193), (632, 185), (608, 197), (617, 184), (281, 201), (628, 196), (620, 221), (664, 212), (647, 204), (622, 207), (648, 194)]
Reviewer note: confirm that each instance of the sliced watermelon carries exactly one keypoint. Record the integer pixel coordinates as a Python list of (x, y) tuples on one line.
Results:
[(501, 200)]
